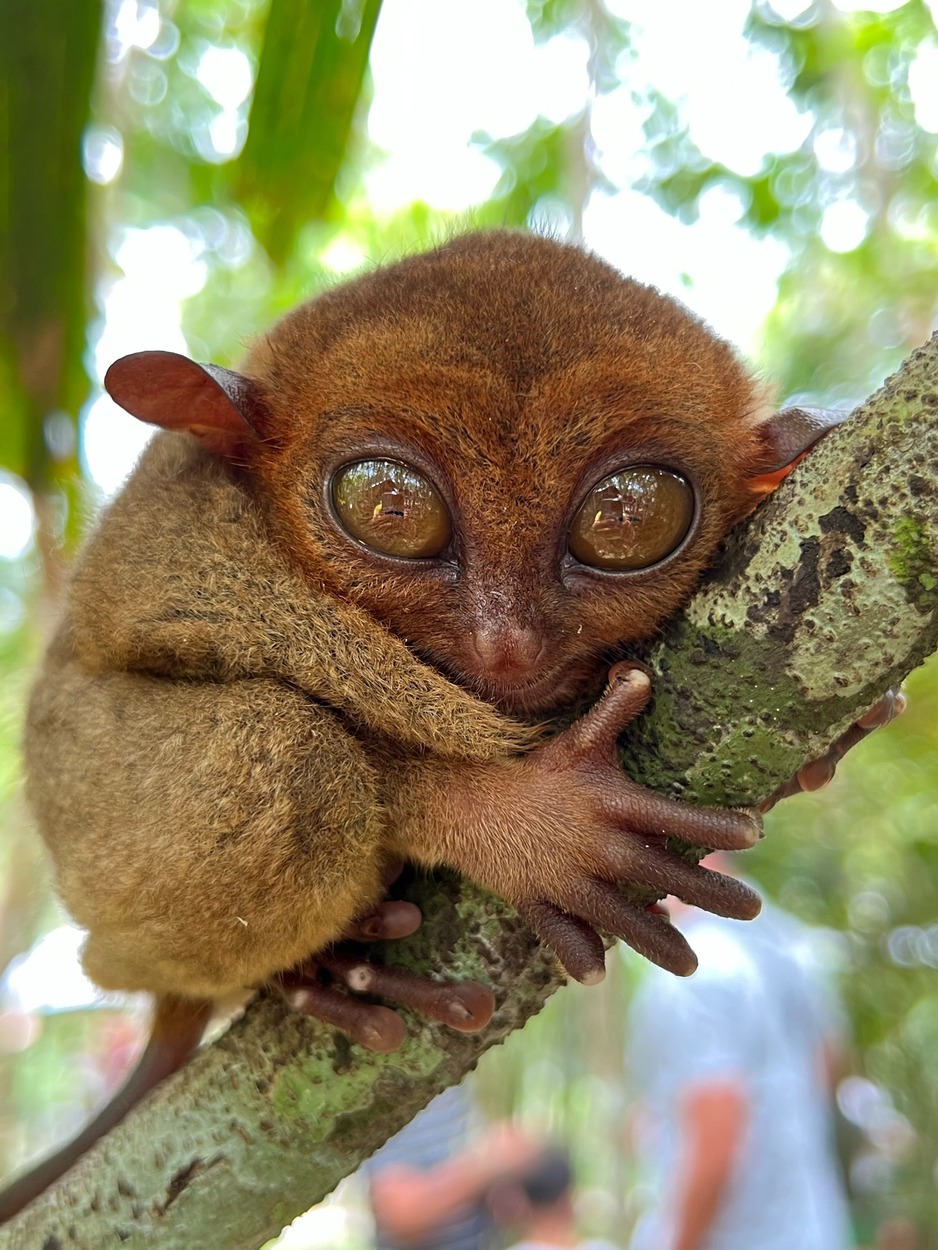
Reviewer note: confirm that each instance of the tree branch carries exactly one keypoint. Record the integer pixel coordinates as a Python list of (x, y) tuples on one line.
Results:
[(828, 596)]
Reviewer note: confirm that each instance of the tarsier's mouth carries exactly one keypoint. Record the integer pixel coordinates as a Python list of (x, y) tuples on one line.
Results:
[(538, 694)]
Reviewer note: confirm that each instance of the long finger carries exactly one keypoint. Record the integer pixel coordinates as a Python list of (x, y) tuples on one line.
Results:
[(717, 828), (597, 732), (578, 947), (702, 887), (602, 906)]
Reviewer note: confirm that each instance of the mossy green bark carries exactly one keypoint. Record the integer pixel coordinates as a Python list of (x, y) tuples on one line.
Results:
[(822, 601)]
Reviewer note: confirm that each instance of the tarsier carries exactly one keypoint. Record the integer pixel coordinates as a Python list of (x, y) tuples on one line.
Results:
[(328, 622)]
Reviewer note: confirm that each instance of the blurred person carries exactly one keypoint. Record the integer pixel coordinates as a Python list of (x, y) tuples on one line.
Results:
[(429, 1185), (734, 1070), (897, 1233), (540, 1199)]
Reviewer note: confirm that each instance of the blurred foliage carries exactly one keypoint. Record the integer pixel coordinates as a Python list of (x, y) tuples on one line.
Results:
[(183, 158), (844, 315), (46, 74), (240, 125), (550, 170), (862, 857), (313, 61)]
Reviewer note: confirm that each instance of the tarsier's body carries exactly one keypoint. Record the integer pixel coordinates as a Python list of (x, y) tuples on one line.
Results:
[(248, 710)]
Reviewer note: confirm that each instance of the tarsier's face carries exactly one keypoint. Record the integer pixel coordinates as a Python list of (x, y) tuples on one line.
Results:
[(516, 653), (518, 566)]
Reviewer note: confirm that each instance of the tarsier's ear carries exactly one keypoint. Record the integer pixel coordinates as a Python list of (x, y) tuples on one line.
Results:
[(788, 436), (224, 410)]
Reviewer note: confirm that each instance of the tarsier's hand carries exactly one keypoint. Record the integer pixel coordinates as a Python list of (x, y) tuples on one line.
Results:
[(312, 988), (817, 773), (605, 829)]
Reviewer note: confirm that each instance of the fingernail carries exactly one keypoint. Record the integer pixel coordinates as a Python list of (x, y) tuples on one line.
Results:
[(359, 978), (878, 715), (756, 832), (816, 775), (593, 977), (635, 677)]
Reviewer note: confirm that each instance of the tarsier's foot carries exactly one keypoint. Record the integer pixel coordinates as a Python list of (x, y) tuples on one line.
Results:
[(317, 987), (629, 827), (817, 773)]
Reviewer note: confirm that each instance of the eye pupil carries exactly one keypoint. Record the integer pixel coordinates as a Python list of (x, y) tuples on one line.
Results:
[(391, 508), (632, 519)]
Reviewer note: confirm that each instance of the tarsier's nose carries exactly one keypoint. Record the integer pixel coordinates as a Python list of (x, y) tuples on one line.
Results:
[(507, 648)]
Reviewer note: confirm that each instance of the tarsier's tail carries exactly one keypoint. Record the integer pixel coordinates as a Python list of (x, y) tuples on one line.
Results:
[(178, 1025)]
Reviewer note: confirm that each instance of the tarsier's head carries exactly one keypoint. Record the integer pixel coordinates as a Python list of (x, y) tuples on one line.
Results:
[(510, 455)]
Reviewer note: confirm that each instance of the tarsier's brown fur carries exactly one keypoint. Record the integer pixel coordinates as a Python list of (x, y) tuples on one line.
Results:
[(211, 834), (245, 714)]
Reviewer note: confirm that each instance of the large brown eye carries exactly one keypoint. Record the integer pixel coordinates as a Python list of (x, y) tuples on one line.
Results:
[(391, 508), (632, 519)]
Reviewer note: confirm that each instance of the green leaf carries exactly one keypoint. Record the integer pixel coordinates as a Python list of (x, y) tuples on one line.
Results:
[(312, 67)]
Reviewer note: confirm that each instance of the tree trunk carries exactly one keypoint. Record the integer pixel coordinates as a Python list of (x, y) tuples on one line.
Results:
[(827, 597)]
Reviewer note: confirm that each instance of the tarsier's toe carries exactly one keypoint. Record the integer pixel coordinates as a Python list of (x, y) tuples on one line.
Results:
[(463, 1005), (327, 986), (394, 918), (466, 1006), (376, 1028)]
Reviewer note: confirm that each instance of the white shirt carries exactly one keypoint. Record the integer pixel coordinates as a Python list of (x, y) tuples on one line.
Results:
[(757, 1011)]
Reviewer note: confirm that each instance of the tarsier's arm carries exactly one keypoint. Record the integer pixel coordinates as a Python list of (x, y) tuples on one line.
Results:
[(182, 580)]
